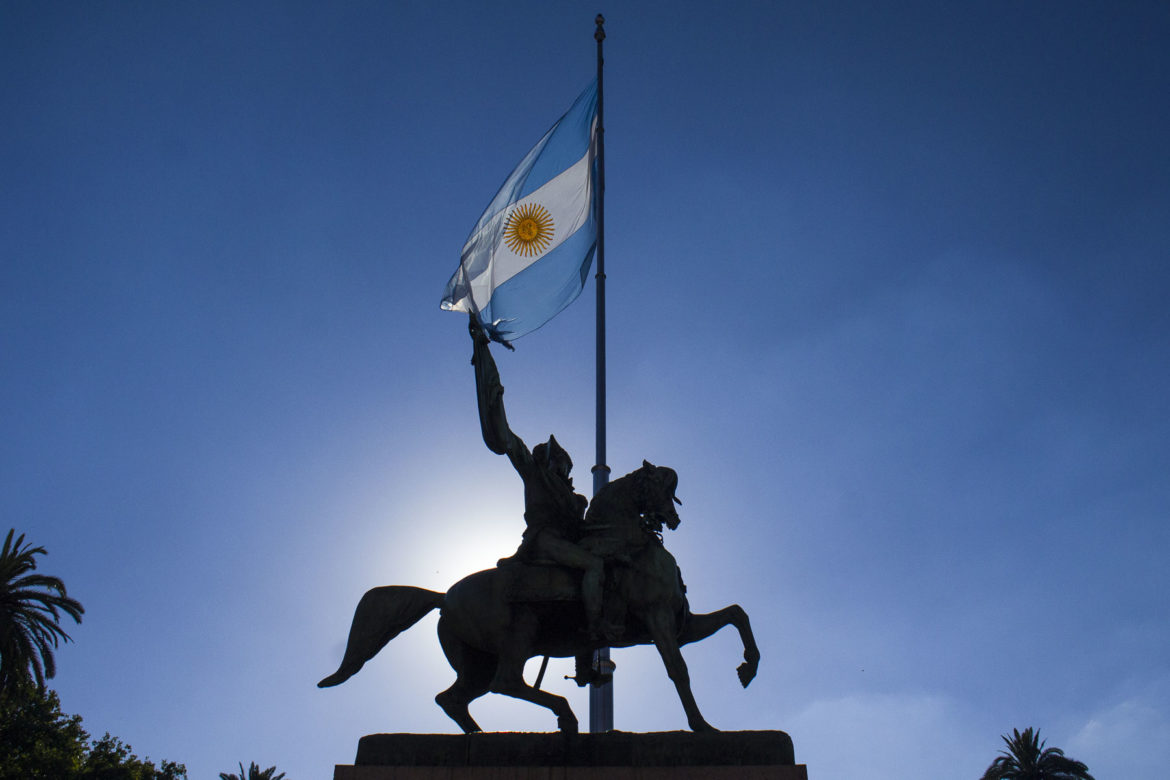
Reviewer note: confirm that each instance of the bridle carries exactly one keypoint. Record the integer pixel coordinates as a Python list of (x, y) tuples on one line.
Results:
[(652, 521)]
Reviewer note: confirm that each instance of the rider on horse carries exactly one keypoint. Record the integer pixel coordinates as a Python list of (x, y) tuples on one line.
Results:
[(553, 512)]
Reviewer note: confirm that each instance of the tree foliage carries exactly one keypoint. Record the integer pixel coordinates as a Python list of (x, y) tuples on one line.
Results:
[(40, 742), (254, 773), (36, 739), (1027, 759), (30, 613)]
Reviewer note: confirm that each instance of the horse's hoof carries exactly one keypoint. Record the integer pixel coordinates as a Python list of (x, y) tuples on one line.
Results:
[(747, 673), (567, 724)]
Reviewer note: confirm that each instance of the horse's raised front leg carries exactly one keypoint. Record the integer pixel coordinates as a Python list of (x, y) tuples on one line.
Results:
[(702, 626), (661, 625)]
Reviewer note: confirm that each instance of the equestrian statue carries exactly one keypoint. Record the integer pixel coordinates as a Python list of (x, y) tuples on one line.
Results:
[(587, 575)]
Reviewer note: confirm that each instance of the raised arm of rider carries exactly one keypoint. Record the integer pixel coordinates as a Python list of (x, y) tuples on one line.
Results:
[(493, 421)]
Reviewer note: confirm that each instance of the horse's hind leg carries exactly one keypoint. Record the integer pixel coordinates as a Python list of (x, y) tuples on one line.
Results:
[(509, 680), (455, 699), (473, 669), (702, 626)]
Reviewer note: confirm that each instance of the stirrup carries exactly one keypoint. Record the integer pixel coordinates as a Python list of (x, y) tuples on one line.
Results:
[(595, 676)]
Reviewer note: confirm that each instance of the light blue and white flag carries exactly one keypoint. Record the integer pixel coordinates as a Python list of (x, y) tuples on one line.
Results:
[(528, 256)]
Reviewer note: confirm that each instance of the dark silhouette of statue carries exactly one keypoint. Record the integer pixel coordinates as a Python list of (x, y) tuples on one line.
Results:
[(554, 513), (555, 597), (488, 635)]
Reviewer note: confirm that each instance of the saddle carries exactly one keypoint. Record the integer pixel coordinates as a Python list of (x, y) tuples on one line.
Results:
[(538, 581)]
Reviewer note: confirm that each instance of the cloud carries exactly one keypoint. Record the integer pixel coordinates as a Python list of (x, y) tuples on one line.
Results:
[(1130, 739), (886, 736)]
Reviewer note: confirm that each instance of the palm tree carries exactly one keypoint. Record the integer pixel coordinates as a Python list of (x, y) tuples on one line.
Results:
[(254, 773), (30, 613), (1027, 759)]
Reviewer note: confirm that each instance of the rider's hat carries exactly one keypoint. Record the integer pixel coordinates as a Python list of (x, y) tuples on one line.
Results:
[(549, 452)]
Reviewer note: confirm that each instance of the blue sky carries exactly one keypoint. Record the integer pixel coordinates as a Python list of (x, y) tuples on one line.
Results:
[(887, 287)]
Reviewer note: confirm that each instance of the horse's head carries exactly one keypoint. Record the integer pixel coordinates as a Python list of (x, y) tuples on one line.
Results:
[(656, 496)]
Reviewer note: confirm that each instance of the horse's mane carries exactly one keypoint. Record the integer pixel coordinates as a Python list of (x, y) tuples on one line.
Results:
[(631, 494), (616, 495)]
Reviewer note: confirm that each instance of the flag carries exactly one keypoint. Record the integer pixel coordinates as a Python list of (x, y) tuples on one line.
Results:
[(528, 256)]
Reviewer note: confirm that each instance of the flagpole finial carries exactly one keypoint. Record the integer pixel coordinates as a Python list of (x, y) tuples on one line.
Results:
[(599, 34)]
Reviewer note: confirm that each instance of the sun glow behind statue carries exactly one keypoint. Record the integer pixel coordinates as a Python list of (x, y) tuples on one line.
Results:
[(429, 534), (470, 544)]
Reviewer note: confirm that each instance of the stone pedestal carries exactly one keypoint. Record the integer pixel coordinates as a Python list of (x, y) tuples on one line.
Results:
[(616, 755)]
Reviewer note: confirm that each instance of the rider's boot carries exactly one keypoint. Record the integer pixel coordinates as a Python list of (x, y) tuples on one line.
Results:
[(599, 629)]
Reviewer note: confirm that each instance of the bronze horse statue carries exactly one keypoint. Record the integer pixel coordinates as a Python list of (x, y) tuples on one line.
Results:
[(488, 633)]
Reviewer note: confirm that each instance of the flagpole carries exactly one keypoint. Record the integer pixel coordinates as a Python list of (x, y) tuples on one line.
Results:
[(600, 696)]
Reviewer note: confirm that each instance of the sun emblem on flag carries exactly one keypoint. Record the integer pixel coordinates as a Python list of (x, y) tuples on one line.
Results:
[(529, 230)]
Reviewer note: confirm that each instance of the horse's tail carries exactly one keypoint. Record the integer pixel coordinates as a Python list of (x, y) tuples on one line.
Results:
[(382, 614)]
